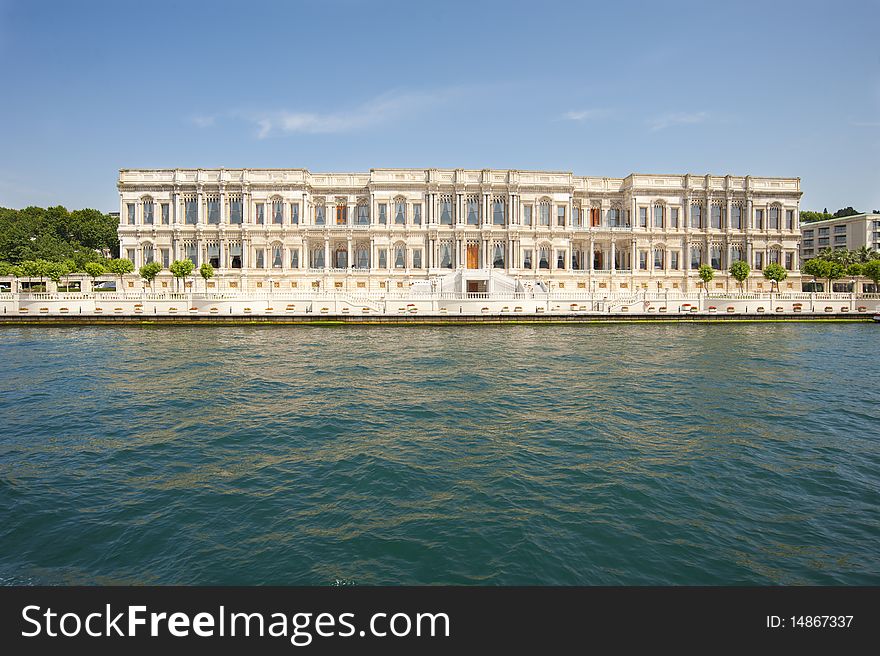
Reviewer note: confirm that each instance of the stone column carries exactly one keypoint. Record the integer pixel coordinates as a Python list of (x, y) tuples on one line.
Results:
[(613, 266), (592, 253), (326, 251), (348, 256)]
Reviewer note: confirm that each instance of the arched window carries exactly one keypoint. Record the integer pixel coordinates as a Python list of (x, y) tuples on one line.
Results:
[(148, 253), (736, 217), (363, 213), (445, 209), (715, 257), (658, 258), (362, 257), (498, 211), (148, 212), (658, 216), (213, 209), (473, 211), (544, 257), (400, 256), (319, 214), (340, 257), (696, 256), (498, 256), (400, 211), (544, 213), (276, 256), (317, 257), (696, 216), (445, 255)]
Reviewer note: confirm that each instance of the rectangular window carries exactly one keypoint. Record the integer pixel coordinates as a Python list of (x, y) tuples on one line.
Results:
[(261, 213), (166, 214), (823, 231), (545, 214), (658, 258), (319, 215), (527, 258), (130, 210), (166, 258), (294, 258), (759, 260), (643, 260), (658, 216), (148, 213), (789, 219), (129, 254), (417, 214), (560, 216), (840, 229), (363, 216), (560, 259), (759, 219), (527, 216), (809, 243), (277, 212), (191, 211), (673, 260), (260, 258), (774, 218), (294, 213), (595, 217), (213, 210), (614, 218), (417, 258), (576, 217), (716, 217), (696, 216), (400, 212), (789, 261), (383, 258), (383, 213), (696, 258), (643, 217), (276, 257), (823, 241), (736, 217), (673, 218), (809, 233), (715, 254), (148, 254), (235, 210)]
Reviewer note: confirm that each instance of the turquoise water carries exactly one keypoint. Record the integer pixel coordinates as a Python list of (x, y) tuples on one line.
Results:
[(604, 454)]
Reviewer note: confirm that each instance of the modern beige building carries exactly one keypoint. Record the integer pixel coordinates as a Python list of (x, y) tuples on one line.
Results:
[(457, 229), (849, 232)]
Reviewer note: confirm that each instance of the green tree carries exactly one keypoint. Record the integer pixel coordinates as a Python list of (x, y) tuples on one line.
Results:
[(94, 269), (36, 269), (811, 217), (7, 269), (181, 269), (833, 271), (706, 274), (846, 211), (119, 267), (871, 270), (775, 273), (855, 269), (813, 267), (56, 270), (206, 271), (149, 271), (740, 271)]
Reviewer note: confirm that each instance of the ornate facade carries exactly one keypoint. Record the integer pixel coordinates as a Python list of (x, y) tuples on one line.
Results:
[(396, 228)]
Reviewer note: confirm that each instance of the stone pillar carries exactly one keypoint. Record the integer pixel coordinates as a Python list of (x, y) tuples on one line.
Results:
[(348, 256), (326, 250), (613, 266), (592, 253)]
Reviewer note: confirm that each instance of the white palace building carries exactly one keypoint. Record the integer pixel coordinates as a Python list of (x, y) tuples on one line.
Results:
[(457, 230)]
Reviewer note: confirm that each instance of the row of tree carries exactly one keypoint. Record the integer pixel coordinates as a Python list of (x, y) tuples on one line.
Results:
[(740, 271), (54, 234), (808, 216), (55, 271)]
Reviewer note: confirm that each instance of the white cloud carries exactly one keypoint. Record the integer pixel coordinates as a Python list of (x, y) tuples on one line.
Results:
[(203, 121), (676, 118), (385, 108), (585, 114)]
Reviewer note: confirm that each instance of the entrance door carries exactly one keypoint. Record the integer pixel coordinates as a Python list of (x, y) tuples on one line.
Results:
[(473, 256)]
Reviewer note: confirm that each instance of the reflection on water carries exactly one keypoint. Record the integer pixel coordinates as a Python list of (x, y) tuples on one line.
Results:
[(635, 454)]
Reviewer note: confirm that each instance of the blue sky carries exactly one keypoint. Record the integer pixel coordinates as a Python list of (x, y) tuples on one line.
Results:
[(605, 89)]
